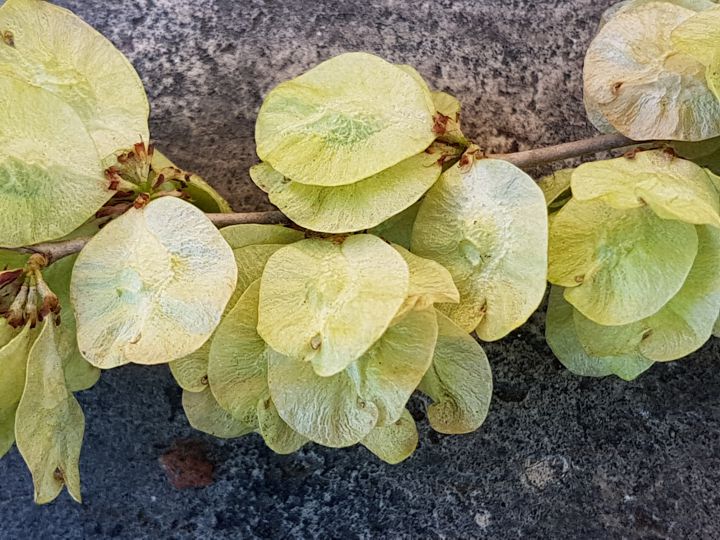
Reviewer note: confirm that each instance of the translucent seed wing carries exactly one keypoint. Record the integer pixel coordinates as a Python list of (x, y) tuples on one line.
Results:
[(250, 234), (51, 177), (563, 340), (615, 263), (712, 75), (278, 436), (556, 188), (202, 194), (449, 107), (7, 332), (430, 283), (687, 320), (392, 369), (340, 410), (204, 414), (488, 227), (599, 340), (49, 424), (393, 443), (13, 361), (398, 229), (697, 151), (459, 381), (344, 120), (699, 36), (205, 197), (151, 286), (642, 85), (190, 372), (251, 254), (628, 5), (446, 104), (237, 370), (327, 410), (673, 188), (415, 74), (681, 327), (251, 261), (57, 51), (79, 373), (428, 279), (354, 207), (326, 302), (12, 259)]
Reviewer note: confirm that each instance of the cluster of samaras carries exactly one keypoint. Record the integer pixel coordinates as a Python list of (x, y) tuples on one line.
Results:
[(408, 245)]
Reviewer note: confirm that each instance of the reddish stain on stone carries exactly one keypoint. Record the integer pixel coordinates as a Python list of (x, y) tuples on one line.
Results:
[(187, 465)]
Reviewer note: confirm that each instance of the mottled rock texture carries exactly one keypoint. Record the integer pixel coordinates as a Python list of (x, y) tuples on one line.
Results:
[(559, 456)]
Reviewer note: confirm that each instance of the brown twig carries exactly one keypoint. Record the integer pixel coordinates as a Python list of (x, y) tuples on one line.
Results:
[(55, 251), (266, 218), (561, 152)]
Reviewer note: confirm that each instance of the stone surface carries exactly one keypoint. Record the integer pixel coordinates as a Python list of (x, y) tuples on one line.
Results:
[(559, 456)]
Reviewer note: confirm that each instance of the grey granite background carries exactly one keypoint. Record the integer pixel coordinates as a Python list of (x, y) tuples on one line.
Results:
[(559, 456)]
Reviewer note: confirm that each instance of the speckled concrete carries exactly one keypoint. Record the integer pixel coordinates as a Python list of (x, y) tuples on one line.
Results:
[(559, 456)]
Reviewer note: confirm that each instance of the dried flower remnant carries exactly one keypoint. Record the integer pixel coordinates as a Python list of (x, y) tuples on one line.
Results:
[(440, 123), (25, 297), (142, 174)]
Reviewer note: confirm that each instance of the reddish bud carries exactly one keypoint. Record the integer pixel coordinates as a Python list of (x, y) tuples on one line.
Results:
[(440, 124), (113, 179), (140, 151), (9, 276), (141, 201), (11, 282), (113, 210), (159, 181)]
